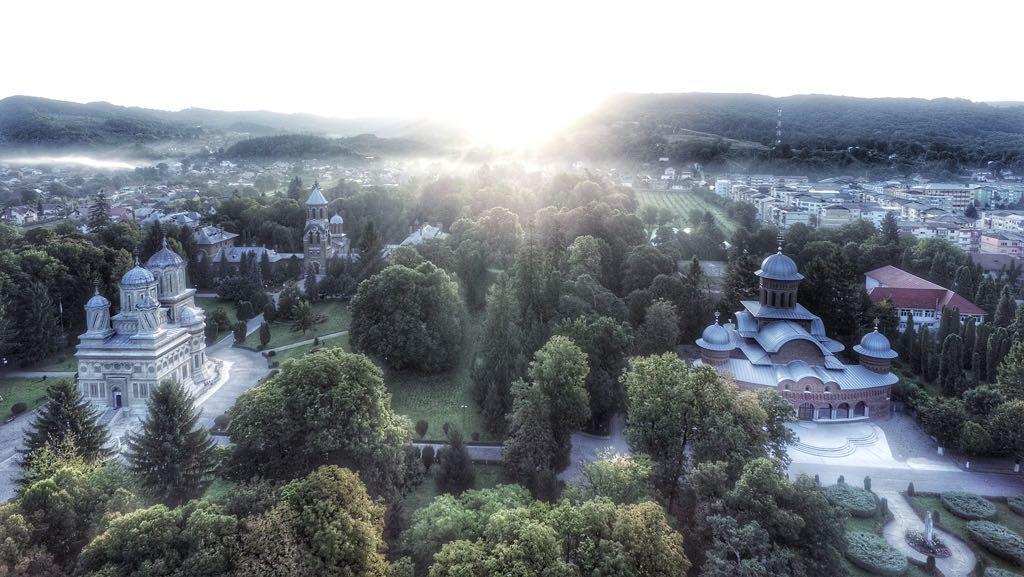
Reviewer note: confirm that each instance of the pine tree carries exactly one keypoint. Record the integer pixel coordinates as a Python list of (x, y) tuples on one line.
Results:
[(979, 356), (969, 338), (739, 283), (502, 359), (995, 343), (66, 415), (172, 457), (1006, 309), (264, 334), (310, 286), (99, 213), (908, 342), (951, 371), (527, 449), (963, 282), (890, 229), (923, 348), (454, 467), (987, 297), (39, 334)]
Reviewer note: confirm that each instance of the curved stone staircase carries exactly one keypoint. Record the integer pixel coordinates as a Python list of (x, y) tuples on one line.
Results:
[(841, 450)]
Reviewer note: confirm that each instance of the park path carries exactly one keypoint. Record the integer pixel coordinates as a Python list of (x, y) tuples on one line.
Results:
[(904, 518), (38, 374), (308, 341)]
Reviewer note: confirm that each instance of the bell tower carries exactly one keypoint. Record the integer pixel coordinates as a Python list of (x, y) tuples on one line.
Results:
[(316, 236)]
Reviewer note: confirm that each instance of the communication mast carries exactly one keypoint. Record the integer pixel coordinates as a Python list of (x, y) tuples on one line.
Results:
[(778, 129)]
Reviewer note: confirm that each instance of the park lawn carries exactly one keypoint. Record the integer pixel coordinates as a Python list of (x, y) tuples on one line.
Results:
[(682, 203), (438, 398), (211, 304), (299, 351), (32, 392), (338, 318), (870, 525), (487, 477), (958, 526), (63, 361)]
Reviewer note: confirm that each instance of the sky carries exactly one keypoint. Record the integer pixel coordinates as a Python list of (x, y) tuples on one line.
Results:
[(500, 65)]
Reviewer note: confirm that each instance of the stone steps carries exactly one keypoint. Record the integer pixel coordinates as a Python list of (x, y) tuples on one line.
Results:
[(847, 448)]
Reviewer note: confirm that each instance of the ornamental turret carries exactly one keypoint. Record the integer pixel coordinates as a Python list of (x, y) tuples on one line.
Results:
[(715, 344), (875, 352), (97, 316), (780, 280)]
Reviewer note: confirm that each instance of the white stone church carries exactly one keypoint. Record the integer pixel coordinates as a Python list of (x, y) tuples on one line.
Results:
[(157, 334)]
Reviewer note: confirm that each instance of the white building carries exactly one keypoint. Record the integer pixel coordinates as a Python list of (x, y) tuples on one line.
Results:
[(157, 334)]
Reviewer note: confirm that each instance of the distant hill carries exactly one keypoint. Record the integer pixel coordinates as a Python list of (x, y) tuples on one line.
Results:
[(291, 146), (818, 131), (32, 121)]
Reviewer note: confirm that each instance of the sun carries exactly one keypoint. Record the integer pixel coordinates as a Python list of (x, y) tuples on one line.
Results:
[(523, 119)]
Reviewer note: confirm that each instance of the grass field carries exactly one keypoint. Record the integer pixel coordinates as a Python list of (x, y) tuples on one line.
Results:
[(297, 352), (439, 398), (211, 304), (487, 477), (28, 391), (682, 203), (337, 319), (872, 525), (63, 361), (958, 526)]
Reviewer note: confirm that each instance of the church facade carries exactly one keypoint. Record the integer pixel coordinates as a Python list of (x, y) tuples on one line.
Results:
[(776, 343), (157, 334)]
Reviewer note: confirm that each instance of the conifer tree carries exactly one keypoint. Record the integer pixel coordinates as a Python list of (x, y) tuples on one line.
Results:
[(969, 338), (66, 415), (923, 348), (739, 283), (1011, 373), (908, 342), (454, 467), (501, 359), (951, 372), (963, 282), (1006, 309), (264, 334), (39, 333), (987, 297), (99, 212), (995, 343), (172, 457)]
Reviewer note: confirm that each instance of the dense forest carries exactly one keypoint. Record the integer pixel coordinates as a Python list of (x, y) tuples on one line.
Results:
[(312, 146), (820, 133)]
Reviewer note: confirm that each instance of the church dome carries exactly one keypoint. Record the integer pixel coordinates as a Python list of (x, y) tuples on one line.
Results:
[(779, 267), (336, 219), (188, 316), (164, 257), (316, 198), (138, 276), (876, 346), (715, 337), (97, 302)]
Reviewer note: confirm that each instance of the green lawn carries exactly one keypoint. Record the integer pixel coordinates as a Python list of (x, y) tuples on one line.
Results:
[(439, 398), (211, 304), (297, 352), (28, 391), (63, 361), (487, 477), (338, 318), (958, 526), (682, 203)]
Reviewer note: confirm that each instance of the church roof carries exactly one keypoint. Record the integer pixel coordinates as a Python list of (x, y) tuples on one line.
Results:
[(137, 276), (336, 219), (97, 301), (779, 267), (875, 345), (208, 235), (164, 257), (316, 198), (850, 377)]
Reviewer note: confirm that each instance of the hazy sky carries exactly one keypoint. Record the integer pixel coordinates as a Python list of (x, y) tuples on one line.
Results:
[(508, 63)]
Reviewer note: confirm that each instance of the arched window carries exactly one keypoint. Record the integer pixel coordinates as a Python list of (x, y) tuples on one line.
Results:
[(825, 413), (860, 409), (843, 411)]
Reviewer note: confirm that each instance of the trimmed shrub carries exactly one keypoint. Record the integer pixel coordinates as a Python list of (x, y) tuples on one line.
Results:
[(910, 489), (968, 505), (421, 427), (998, 540), (1016, 504), (996, 572), (871, 553), (857, 501), (222, 421), (867, 483), (427, 456), (18, 408)]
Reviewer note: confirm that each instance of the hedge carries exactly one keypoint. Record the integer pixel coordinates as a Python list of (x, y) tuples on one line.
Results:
[(998, 540), (996, 572), (871, 553), (857, 501), (1016, 504), (968, 505)]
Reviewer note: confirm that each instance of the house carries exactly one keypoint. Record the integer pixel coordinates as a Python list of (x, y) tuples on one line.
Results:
[(1001, 243), (20, 215), (913, 295), (211, 239), (994, 264)]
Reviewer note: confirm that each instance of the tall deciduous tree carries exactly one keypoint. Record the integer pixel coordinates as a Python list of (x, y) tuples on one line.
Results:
[(660, 330), (173, 458)]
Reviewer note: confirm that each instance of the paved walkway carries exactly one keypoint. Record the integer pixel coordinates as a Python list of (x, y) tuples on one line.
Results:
[(38, 374), (959, 564), (476, 452), (308, 341)]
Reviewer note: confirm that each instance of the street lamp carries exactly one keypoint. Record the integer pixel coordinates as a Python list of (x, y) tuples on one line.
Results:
[(463, 410)]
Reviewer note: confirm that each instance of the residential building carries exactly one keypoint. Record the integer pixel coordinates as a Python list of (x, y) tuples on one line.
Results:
[(914, 296)]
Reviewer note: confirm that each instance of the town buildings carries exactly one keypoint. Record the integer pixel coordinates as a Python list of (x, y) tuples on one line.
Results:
[(914, 296)]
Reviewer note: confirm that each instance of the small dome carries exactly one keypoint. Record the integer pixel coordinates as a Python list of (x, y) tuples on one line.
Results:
[(97, 302), (876, 346), (716, 338), (187, 316), (316, 198), (779, 267), (336, 219), (138, 276), (164, 257)]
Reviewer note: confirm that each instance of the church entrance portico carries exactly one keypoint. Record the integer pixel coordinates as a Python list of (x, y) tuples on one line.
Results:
[(116, 393), (806, 412)]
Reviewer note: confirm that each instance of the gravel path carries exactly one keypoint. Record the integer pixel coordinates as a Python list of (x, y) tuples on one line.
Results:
[(959, 564)]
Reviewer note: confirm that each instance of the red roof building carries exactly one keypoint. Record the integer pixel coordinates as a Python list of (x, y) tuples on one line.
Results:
[(913, 295)]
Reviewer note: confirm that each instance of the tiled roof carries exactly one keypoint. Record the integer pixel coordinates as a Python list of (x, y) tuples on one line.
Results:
[(850, 377), (908, 291)]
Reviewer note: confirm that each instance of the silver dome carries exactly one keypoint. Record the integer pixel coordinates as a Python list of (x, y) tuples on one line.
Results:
[(187, 316), (97, 302), (876, 346), (336, 219), (164, 257), (779, 267), (715, 338), (138, 276)]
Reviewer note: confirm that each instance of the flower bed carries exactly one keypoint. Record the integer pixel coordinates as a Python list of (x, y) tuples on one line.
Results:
[(1016, 504), (998, 540), (996, 572), (917, 540), (871, 553), (968, 505), (857, 501)]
